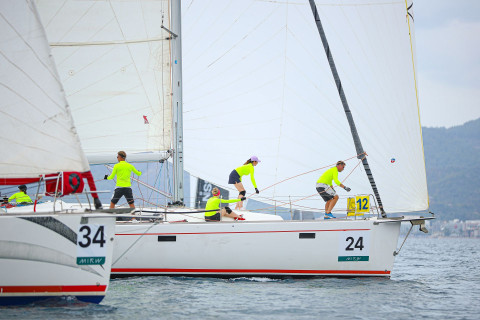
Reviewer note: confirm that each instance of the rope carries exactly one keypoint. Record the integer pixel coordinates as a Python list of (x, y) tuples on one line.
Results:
[(304, 173)]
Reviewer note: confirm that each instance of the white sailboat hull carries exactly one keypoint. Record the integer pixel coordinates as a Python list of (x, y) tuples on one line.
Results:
[(269, 248), (41, 256)]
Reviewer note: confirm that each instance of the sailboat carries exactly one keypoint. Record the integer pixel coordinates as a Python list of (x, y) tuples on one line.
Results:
[(257, 81), (50, 254)]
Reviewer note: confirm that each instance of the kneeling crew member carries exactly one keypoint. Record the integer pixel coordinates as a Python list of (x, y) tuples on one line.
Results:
[(214, 204)]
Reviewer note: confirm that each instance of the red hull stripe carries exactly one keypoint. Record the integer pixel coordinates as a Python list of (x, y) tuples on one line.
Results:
[(247, 271), (229, 232), (43, 289)]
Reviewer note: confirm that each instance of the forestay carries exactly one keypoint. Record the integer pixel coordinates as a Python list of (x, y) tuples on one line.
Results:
[(256, 81), (37, 132), (114, 62)]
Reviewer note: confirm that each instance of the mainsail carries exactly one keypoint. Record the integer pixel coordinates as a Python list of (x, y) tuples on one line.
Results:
[(37, 134), (114, 62), (257, 82)]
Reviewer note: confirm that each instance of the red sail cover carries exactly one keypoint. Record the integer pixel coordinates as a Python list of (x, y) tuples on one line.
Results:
[(72, 182)]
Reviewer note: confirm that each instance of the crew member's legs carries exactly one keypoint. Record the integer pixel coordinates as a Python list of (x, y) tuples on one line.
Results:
[(241, 193), (227, 212), (330, 204)]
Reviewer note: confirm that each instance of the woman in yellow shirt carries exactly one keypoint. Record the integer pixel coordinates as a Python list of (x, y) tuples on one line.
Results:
[(214, 204), (236, 178)]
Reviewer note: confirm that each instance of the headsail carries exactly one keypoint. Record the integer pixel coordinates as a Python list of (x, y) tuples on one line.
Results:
[(114, 62), (37, 132), (257, 82)]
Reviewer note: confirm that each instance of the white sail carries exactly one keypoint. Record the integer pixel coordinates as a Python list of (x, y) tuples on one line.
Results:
[(37, 135), (257, 82), (114, 62)]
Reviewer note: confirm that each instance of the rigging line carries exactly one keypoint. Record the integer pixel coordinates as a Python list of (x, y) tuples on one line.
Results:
[(304, 173), (207, 49), (147, 97)]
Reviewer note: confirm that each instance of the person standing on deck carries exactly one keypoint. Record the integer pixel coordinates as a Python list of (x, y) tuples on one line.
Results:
[(21, 196), (123, 170), (214, 204), (325, 188), (235, 178)]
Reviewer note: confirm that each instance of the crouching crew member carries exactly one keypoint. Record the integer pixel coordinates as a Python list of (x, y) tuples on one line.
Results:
[(213, 207), (236, 178)]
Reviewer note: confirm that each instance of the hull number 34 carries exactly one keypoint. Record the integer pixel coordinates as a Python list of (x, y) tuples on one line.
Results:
[(91, 248), (354, 246)]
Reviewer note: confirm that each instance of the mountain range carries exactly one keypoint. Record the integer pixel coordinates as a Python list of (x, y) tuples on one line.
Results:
[(452, 163)]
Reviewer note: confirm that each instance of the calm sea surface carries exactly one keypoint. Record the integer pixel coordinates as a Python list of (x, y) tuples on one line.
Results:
[(432, 279)]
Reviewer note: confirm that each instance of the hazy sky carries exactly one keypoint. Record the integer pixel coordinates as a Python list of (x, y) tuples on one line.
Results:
[(448, 61)]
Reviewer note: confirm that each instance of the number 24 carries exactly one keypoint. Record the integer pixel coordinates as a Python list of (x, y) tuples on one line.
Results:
[(358, 244)]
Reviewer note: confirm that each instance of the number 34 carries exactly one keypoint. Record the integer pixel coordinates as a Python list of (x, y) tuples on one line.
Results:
[(99, 237), (358, 244)]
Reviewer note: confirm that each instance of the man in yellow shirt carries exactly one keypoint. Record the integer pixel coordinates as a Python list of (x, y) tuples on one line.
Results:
[(21, 196), (123, 170), (325, 188)]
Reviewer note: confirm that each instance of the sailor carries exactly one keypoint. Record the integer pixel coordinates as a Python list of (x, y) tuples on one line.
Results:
[(214, 204), (123, 170), (22, 196), (325, 188), (236, 175)]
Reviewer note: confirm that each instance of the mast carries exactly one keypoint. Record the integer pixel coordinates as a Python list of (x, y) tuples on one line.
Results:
[(177, 103), (348, 113)]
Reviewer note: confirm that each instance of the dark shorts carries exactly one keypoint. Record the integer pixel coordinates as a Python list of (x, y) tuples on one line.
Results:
[(327, 193), (119, 192), (215, 217), (234, 177)]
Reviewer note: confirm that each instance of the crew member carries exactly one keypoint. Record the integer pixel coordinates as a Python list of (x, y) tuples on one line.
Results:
[(325, 188), (21, 196), (214, 204), (123, 170), (236, 175)]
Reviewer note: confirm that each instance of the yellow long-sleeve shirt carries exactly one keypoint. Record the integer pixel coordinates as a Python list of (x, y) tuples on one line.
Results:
[(328, 176), (20, 197), (214, 204), (123, 170), (246, 170)]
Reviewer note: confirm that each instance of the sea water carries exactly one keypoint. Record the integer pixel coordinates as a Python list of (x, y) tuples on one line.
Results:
[(432, 279)]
